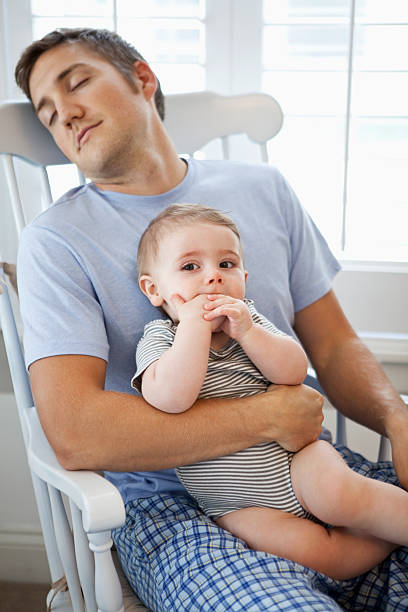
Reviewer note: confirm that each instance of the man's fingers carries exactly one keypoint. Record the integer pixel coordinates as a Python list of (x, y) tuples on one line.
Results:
[(11, 271), (302, 417)]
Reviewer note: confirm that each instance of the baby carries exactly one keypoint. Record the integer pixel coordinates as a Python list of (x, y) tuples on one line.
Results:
[(215, 344)]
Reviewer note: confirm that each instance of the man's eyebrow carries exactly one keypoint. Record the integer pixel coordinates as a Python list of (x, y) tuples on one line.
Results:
[(59, 78)]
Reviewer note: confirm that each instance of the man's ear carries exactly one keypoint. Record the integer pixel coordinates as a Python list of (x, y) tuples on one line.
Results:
[(146, 77), (151, 290)]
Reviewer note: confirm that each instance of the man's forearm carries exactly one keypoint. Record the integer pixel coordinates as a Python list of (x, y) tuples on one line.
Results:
[(357, 385), (351, 376), (120, 432), (90, 428), (124, 433)]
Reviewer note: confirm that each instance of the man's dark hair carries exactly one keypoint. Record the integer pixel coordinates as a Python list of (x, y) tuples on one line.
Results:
[(105, 43)]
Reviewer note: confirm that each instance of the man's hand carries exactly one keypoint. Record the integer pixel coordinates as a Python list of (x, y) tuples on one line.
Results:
[(11, 272), (237, 318), (300, 416)]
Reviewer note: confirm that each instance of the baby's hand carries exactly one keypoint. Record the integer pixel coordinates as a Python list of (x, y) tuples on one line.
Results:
[(237, 318), (193, 310), (186, 309)]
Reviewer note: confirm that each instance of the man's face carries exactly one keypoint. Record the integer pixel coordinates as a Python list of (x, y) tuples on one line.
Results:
[(94, 114), (198, 259)]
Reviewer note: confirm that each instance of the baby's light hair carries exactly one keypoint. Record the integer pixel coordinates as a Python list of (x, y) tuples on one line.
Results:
[(176, 215)]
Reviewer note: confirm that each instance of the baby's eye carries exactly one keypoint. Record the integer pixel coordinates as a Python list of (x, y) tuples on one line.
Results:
[(190, 266), (226, 264)]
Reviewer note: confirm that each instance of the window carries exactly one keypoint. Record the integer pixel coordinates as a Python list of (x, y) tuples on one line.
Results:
[(169, 33), (339, 69)]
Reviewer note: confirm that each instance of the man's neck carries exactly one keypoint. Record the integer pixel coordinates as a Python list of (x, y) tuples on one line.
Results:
[(152, 175)]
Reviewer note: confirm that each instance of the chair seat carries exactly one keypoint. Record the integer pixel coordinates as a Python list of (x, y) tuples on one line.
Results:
[(131, 602)]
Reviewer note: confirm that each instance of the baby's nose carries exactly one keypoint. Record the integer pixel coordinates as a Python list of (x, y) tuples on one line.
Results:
[(215, 278)]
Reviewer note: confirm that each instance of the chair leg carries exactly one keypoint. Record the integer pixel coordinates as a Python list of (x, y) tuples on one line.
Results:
[(44, 508), (107, 585), (85, 559), (384, 451), (341, 430), (66, 548)]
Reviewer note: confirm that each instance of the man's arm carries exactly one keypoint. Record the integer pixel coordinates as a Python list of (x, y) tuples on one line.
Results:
[(354, 381), (90, 428)]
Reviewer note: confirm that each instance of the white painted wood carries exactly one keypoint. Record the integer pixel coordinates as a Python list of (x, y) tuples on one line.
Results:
[(16, 204), (24, 136), (384, 452), (85, 559), (66, 548), (225, 147), (14, 353), (107, 586), (195, 119), (61, 602), (341, 431), (46, 201), (50, 543), (264, 153)]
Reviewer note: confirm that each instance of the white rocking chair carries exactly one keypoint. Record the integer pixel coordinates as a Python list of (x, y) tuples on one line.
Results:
[(78, 510)]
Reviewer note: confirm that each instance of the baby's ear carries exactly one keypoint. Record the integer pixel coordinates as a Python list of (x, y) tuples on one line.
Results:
[(246, 276), (150, 289)]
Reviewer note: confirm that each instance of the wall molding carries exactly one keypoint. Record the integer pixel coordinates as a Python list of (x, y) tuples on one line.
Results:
[(22, 556), (388, 348)]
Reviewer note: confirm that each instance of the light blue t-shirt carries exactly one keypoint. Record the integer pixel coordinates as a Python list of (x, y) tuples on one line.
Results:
[(78, 279)]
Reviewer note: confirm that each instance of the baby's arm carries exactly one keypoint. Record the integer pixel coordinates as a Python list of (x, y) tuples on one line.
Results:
[(173, 382), (280, 358)]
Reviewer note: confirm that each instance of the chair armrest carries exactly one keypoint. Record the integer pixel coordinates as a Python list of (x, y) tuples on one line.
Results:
[(100, 502)]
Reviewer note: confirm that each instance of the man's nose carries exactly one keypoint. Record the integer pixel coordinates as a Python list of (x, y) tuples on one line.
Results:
[(68, 111)]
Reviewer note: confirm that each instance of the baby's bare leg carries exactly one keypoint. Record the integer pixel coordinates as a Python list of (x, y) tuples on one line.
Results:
[(339, 553), (331, 491)]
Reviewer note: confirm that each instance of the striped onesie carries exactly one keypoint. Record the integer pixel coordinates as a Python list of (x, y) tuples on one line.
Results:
[(256, 476)]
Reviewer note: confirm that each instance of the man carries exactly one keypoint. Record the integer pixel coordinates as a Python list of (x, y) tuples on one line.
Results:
[(83, 315)]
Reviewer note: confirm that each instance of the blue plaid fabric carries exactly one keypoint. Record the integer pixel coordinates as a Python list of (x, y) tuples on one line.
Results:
[(177, 559)]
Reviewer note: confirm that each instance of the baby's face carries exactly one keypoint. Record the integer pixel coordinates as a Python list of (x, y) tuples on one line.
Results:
[(199, 259)]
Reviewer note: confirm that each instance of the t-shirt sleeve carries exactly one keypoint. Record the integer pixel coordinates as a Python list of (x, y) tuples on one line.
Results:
[(313, 265), (60, 310), (157, 338)]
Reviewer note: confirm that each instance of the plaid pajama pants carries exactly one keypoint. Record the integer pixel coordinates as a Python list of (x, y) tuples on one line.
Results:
[(177, 559)]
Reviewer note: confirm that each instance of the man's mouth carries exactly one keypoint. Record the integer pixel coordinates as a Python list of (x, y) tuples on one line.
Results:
[(83, 134)]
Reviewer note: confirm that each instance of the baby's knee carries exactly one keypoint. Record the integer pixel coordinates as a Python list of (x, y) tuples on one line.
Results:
[(323, 482)]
